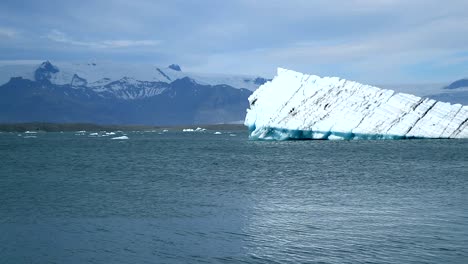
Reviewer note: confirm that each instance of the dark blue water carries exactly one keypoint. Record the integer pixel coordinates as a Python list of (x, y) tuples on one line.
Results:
[(199, 197)]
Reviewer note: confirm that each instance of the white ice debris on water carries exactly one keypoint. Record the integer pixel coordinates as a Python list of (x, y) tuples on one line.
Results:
[(217, 133), (120, 138), (300, 106), (198, 129)]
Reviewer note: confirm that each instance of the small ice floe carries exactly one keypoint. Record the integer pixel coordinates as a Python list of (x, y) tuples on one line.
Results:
[(30, 132), (165, 130), (217, 133), (198, 129), (94, 134), (110, 133), (120, 138), (81, 131), (232, 135)]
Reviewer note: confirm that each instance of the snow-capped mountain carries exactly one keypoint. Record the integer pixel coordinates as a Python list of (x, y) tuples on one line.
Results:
[(110, 93), (300, 106), (98, 75)]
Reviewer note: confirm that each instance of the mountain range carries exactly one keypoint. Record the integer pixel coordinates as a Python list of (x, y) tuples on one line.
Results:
[(121, 94)]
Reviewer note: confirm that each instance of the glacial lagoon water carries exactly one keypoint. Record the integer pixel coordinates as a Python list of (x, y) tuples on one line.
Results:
[(203, 198)]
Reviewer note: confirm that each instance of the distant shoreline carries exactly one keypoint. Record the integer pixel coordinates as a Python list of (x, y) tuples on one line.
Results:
[(65, 127)]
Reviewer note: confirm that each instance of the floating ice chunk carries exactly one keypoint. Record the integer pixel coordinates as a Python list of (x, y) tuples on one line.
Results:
[(120, 138), (165, 130), (217, 133), (232, 135), (94, 134), (300, 106), (198, 129), (30, 132), (110, 133)]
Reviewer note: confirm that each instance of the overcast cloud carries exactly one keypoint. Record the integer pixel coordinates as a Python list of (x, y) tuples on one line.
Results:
[(387, 41)]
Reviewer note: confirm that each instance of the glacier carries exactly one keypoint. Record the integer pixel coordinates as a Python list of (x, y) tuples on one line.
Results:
[(97, 75), (299, 106)]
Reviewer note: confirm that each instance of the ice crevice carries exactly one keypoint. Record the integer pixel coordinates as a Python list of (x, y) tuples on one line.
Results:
[(421, 117), (300, 106), (461, 128)]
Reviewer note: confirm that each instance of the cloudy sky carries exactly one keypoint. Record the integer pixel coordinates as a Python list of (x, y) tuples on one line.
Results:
[(377, 41)]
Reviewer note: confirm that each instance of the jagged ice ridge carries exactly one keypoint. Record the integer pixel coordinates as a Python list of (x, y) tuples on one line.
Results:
[(300, 106)]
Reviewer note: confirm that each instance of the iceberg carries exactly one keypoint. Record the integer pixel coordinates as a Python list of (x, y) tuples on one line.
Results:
[(300, 106), (120, 138), (198, 129)]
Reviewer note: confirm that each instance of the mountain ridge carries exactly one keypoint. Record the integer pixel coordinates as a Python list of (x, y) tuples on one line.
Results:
[(126, 100)]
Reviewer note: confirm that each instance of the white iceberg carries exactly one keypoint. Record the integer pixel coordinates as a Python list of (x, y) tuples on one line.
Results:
[(198, 129), (120, 138), (300, 106), (217, 133)]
